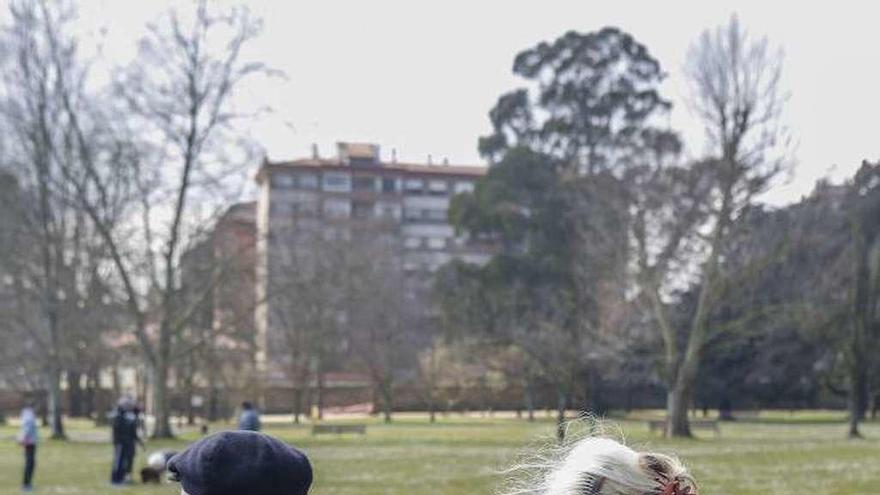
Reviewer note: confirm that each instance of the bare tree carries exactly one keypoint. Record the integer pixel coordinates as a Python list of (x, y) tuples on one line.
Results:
[(337, 302), (144, 194), (382, 316), (685, 220), (55, 257), (308, 309)]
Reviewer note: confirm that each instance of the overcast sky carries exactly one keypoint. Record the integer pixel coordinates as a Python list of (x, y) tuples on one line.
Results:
[(421, 76)]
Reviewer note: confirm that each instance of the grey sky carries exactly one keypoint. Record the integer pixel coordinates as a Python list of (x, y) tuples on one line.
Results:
[(421, 76)]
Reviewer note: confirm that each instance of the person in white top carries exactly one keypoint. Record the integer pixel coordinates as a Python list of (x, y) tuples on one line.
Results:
[(28, 438)]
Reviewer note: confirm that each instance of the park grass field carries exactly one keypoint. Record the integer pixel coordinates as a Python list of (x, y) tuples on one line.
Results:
[(780, 454)]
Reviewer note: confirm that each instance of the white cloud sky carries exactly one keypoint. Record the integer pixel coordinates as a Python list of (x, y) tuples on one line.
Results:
[(421, 76)]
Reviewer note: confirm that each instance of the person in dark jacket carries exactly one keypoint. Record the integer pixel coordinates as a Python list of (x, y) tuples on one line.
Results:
[(249, 419), (125, 438)]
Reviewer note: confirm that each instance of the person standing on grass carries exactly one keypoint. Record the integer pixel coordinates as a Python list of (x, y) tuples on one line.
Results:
[(137, 429), (249, 419), (27, 438), (125, 437)]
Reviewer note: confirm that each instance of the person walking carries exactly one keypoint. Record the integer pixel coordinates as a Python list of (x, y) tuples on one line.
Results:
[(27, 438), (250, 418)]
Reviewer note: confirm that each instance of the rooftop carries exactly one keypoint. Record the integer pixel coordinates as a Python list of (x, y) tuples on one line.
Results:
[(366, 151)]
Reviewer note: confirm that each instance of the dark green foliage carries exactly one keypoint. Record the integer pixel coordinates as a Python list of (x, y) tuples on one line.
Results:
[(589, 99), (799, 313)]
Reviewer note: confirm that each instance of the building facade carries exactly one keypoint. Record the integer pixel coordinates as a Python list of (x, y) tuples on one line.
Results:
[(307, 206)]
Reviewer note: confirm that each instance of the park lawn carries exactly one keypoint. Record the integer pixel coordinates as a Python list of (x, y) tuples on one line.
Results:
[(804, 454)]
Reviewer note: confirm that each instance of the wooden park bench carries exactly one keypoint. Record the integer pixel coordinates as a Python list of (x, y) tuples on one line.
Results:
[(746, 415), (696, 424), (321, 429)]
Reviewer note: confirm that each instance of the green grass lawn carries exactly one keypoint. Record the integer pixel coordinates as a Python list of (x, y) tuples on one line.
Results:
[(781, 454)]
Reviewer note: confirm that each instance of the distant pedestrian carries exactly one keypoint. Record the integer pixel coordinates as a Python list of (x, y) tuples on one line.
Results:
[(250, 418), (241, 462), (125, 438), (28, 438)]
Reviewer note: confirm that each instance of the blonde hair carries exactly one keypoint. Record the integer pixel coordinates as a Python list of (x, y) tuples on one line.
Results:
[(600, 466)]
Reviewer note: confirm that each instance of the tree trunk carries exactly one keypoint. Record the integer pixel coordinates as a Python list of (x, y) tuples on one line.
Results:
[(297, 404), (213, 402), (190, 394), (319, 393), (484, 395), (530, 400), (374, 398), (117, 382), (308, 398), (561, 404), (53, 402), (858, 396), (91, 389), (161, 402), (676, 411), (74, 394), (190, 412), (387, 400)]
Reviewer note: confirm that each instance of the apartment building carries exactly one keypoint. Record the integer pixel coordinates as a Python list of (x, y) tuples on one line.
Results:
[(405, 205)]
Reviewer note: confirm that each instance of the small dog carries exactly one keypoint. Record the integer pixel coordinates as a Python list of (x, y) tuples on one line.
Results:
[(150, 475), (157, 462)]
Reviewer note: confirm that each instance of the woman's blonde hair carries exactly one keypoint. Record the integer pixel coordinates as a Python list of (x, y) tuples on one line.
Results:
[(600, 466)]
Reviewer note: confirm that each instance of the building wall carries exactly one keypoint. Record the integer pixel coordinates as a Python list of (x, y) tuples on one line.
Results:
[(334, 197)]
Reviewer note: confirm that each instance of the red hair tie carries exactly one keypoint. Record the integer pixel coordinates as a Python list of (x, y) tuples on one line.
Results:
[(674, 487)]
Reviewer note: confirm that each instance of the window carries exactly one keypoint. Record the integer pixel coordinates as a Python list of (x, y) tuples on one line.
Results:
[(438, 215), (331, 234), (431, 215), (464, 186), (364, 184), (362, 160), (308, 181), (280, 208), (438, 186), (306, 207), (389, 210), (362, 209), (282, 181), (412, 242), (389, 185), (414, 185), (337, 208), (337, 182), (412, 214), (436, 242)]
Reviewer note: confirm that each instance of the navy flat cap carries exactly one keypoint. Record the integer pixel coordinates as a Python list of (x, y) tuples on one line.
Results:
[(241, 462)]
